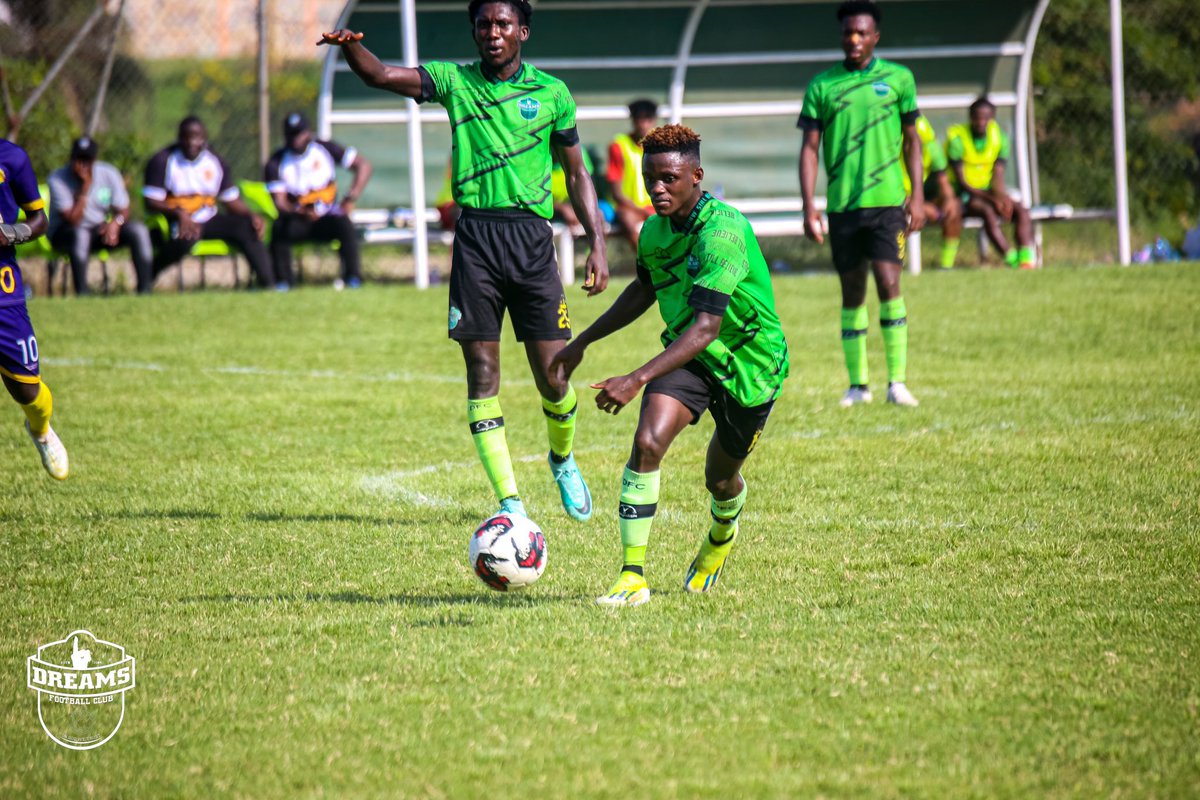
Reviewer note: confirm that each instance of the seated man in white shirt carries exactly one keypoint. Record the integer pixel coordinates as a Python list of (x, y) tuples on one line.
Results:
[(184, 182), (301, 177)]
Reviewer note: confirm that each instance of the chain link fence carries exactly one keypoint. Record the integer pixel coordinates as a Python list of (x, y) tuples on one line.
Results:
[(128, 71)]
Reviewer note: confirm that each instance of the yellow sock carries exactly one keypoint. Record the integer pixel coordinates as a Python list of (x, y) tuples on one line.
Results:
[(39, 410)]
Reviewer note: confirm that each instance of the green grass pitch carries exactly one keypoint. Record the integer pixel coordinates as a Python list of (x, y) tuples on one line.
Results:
[(993, 595)]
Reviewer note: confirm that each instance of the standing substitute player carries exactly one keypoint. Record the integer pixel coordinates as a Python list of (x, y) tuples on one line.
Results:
[(866, 110), (18, 345), (505, 117), (725, 352)]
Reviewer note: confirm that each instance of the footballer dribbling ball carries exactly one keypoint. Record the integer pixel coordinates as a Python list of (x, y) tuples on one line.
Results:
[(508, 551)]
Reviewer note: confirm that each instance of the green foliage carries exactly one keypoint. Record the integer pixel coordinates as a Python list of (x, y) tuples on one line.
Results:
[(47, 133), (991, 596), (1072, 74)]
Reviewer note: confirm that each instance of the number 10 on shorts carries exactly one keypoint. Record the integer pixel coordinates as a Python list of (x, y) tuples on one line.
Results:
[(29, 351)]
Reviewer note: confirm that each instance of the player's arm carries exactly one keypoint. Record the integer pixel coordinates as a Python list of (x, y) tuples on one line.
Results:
[(23, 185), (914, 163), (616, 393), (582, 192), (366, 65), (362, 169), (72, 205), (35, 225), (949, 202), (810, 159), (634, 301)]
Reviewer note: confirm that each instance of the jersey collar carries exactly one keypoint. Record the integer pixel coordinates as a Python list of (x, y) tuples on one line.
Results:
[(690, 222), (516, 76), (870, 66)]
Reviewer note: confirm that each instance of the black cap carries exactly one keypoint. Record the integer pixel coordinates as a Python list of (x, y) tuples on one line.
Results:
[(84, 149), (294, 124)]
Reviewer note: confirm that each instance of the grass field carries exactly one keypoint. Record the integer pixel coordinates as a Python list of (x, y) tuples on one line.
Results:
[(994, 595)]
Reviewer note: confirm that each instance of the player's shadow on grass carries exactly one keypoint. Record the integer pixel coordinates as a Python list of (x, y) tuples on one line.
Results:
[(520, 600)]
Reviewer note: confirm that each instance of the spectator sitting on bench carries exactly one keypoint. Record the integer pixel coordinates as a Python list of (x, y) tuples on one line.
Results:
[(89, 210), (978, 153), (183, 182), (941, 203), (629, 194), (564, 212), (302, 178)]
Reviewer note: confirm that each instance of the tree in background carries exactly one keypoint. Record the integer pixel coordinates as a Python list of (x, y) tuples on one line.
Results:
[(1072, 76)]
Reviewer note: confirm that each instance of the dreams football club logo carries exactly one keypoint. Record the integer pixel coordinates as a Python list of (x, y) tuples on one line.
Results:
[(81, 683), (529, 107), (881, 88)]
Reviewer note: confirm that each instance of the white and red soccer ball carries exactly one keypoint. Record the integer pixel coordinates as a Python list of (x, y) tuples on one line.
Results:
[(508, 551)]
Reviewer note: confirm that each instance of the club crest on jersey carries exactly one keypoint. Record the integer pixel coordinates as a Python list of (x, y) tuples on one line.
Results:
[(529, 107), (881, 88), (693, 265)]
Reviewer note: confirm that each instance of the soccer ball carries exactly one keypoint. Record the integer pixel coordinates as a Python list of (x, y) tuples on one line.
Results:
[(508, 551)]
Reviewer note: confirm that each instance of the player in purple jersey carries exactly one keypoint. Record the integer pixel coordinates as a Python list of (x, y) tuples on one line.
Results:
[(18, 345)]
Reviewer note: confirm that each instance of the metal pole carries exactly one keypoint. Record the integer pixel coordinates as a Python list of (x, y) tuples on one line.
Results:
[(1120, 168), (416, 151), (106, 73), (264, 97)]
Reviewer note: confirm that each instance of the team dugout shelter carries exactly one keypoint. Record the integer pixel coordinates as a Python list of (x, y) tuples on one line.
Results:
[(734, 70)]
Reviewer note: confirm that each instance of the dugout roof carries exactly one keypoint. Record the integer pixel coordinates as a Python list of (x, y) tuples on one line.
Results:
[(733, 69)]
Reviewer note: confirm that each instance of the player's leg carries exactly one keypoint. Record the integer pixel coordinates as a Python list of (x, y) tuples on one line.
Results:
[(849, 259), (1023, 228), (952, 225), (339, 228), (991, 223), (237, 230), (285, 231), (888, 244), (737, 432), (631, 220), (533, 294), (476, 313), (136, 237), (559, 406), (19, 371), (79, 249), (664, 413)]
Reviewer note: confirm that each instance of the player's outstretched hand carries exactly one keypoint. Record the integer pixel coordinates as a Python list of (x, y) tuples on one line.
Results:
[(566, 360), (340, 36), (812, 227), (189, 231), (616, 393), (595, 274)]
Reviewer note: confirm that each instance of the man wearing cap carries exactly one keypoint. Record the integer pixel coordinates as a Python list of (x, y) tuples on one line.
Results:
[(89, 210), (302, 178)]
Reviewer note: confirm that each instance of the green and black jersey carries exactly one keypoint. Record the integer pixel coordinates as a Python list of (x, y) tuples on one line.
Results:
[(501, 132), (860, 115), (713, 264)]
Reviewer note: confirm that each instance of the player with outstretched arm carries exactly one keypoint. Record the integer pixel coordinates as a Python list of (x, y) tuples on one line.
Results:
[(505, 118)]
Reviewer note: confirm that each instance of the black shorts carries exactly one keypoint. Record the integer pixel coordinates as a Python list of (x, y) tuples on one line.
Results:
[(738, 427), (504, 259), (867, 234)]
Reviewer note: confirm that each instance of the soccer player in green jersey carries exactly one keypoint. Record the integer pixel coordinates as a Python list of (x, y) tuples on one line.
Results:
[(505, 117), (725, 352), (978, 153), (866, 110)]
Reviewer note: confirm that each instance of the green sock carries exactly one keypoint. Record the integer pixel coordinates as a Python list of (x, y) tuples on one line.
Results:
[(725, 515), (949, 253), (560, 422), (1025, 255), (1010, 258), (854, 343), (639, 502), (487, 429), (893, 319)]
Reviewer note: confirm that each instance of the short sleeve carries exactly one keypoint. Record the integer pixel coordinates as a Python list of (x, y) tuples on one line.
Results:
[(61, 196), (154, 182), (812, 113), (937, 157), (228, 191), (907, 94), (24, 183), (954, 148), (721, 251), (565, 119), (443, 75)]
